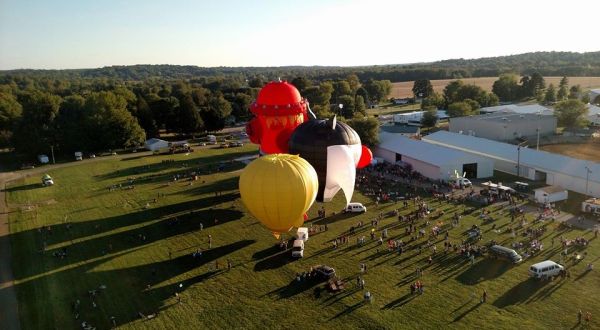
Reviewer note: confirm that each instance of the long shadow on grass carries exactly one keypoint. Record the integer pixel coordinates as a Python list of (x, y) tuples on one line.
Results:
[(204, 164), (24, 187), (401, 301), (129, 290), (520, 293), (161, 225), (486, 269), (143, 235), (465, 313)]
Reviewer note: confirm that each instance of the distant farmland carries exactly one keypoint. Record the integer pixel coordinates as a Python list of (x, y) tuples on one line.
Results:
[(404, 89)]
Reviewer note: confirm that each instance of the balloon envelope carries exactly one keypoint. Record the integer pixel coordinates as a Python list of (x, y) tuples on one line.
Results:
[(333, 149), (366, 157), (278, 189)]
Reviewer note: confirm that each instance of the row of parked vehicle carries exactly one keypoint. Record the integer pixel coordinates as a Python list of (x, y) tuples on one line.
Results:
[(541, 270)]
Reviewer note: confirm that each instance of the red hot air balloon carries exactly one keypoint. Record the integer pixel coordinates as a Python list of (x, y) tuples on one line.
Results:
[(278, 110)]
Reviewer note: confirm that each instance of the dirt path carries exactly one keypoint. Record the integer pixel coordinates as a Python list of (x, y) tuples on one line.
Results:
[(9, 309)]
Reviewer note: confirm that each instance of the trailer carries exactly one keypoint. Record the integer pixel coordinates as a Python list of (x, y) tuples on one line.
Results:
[(591, 206)]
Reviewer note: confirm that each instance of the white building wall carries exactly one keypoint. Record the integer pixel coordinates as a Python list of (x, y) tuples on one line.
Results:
[(573, 183), (389, 156), (427, 170)]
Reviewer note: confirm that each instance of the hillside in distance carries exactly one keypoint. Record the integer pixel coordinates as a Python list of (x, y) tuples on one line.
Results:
[(547, 63)]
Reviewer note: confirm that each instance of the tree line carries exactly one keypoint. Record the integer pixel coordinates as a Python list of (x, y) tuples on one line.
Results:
[(94, 115), (546, 63)]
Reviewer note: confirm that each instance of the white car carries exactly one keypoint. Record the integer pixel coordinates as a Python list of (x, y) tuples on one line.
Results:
[(355, 208)]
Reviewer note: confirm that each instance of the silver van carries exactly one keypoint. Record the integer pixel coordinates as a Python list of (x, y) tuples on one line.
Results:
[(502, 252)]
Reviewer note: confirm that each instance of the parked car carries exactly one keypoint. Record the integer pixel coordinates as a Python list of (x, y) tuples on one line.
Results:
[(355, 208), (324, 272), (545, 269), (224, 145), (236, 144), (502, 252)]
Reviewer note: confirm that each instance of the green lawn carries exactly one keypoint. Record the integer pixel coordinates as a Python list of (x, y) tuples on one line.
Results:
[(106, 246)]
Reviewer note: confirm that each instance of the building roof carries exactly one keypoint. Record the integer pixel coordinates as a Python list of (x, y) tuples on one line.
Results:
[(552, 189), (503, 117), (541, 160), (400, 129), (519, 109), (154, 140), (423, 151)]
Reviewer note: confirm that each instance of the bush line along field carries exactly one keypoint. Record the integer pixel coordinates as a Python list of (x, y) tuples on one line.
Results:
[(404, 89), (140, 249)]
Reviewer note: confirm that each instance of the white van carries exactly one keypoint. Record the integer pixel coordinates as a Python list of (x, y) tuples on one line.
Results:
[(298, 249), (43, 159), (545, 269), (78, 155), (355, 208), (463, 182), (302, 233)]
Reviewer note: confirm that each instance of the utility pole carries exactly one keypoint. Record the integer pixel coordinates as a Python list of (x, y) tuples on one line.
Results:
[(522, 144), (52, 151), (587, 179)]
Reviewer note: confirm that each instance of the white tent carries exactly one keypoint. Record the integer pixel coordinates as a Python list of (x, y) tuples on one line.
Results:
[(155, 144)]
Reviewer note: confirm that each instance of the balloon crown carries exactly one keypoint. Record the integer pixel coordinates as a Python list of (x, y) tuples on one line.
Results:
[(278, 98)]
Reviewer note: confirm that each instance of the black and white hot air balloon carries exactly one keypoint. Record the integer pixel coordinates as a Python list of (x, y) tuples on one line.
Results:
[(334, 150)]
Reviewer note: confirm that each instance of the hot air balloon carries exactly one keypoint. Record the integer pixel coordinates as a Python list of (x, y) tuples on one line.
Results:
[(334, 150), (277, 111), (278, 189)]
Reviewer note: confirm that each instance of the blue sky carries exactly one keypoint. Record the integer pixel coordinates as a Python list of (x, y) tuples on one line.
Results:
[(85, 33)]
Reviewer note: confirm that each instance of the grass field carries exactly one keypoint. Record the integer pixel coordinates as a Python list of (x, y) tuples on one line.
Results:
[(143, 255), (587, 151), (404, 89)]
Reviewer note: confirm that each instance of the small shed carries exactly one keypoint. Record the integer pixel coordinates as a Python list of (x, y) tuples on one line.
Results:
[(551, 194), (155, 144)]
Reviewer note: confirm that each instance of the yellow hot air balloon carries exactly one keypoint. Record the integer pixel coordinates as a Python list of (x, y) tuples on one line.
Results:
[(278, 189)]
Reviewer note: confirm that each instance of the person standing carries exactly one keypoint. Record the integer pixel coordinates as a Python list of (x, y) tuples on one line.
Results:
[(484, 296), (210, 241)]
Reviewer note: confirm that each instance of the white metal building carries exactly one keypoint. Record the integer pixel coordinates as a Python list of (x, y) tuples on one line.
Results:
[(504, 126), (154, 144), (519, 109), (594, 114), (415, 117), (432, 161), (578, 175)]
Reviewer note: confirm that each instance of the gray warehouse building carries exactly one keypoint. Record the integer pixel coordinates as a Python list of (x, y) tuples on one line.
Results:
[(504, 126), (432, 161)]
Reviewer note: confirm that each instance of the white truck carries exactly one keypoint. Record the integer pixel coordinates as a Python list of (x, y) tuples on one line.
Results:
[(78, 155), (591, 206), (298, 249)]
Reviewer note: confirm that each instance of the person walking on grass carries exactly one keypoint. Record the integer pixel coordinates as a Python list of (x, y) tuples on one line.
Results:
[(579, 316), (484, 296)]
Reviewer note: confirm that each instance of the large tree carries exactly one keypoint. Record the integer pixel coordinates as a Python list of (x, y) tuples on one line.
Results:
[(35, 132), (575, 92), (189, 121), (571, 113), (460, 109), (367, 128), (348, 106), (429, 118), (71, 123), (563, 89), (422, 88), (433, 101), (109, 125), (10, 114), (215, 113), (506, 87), (550, 96)]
